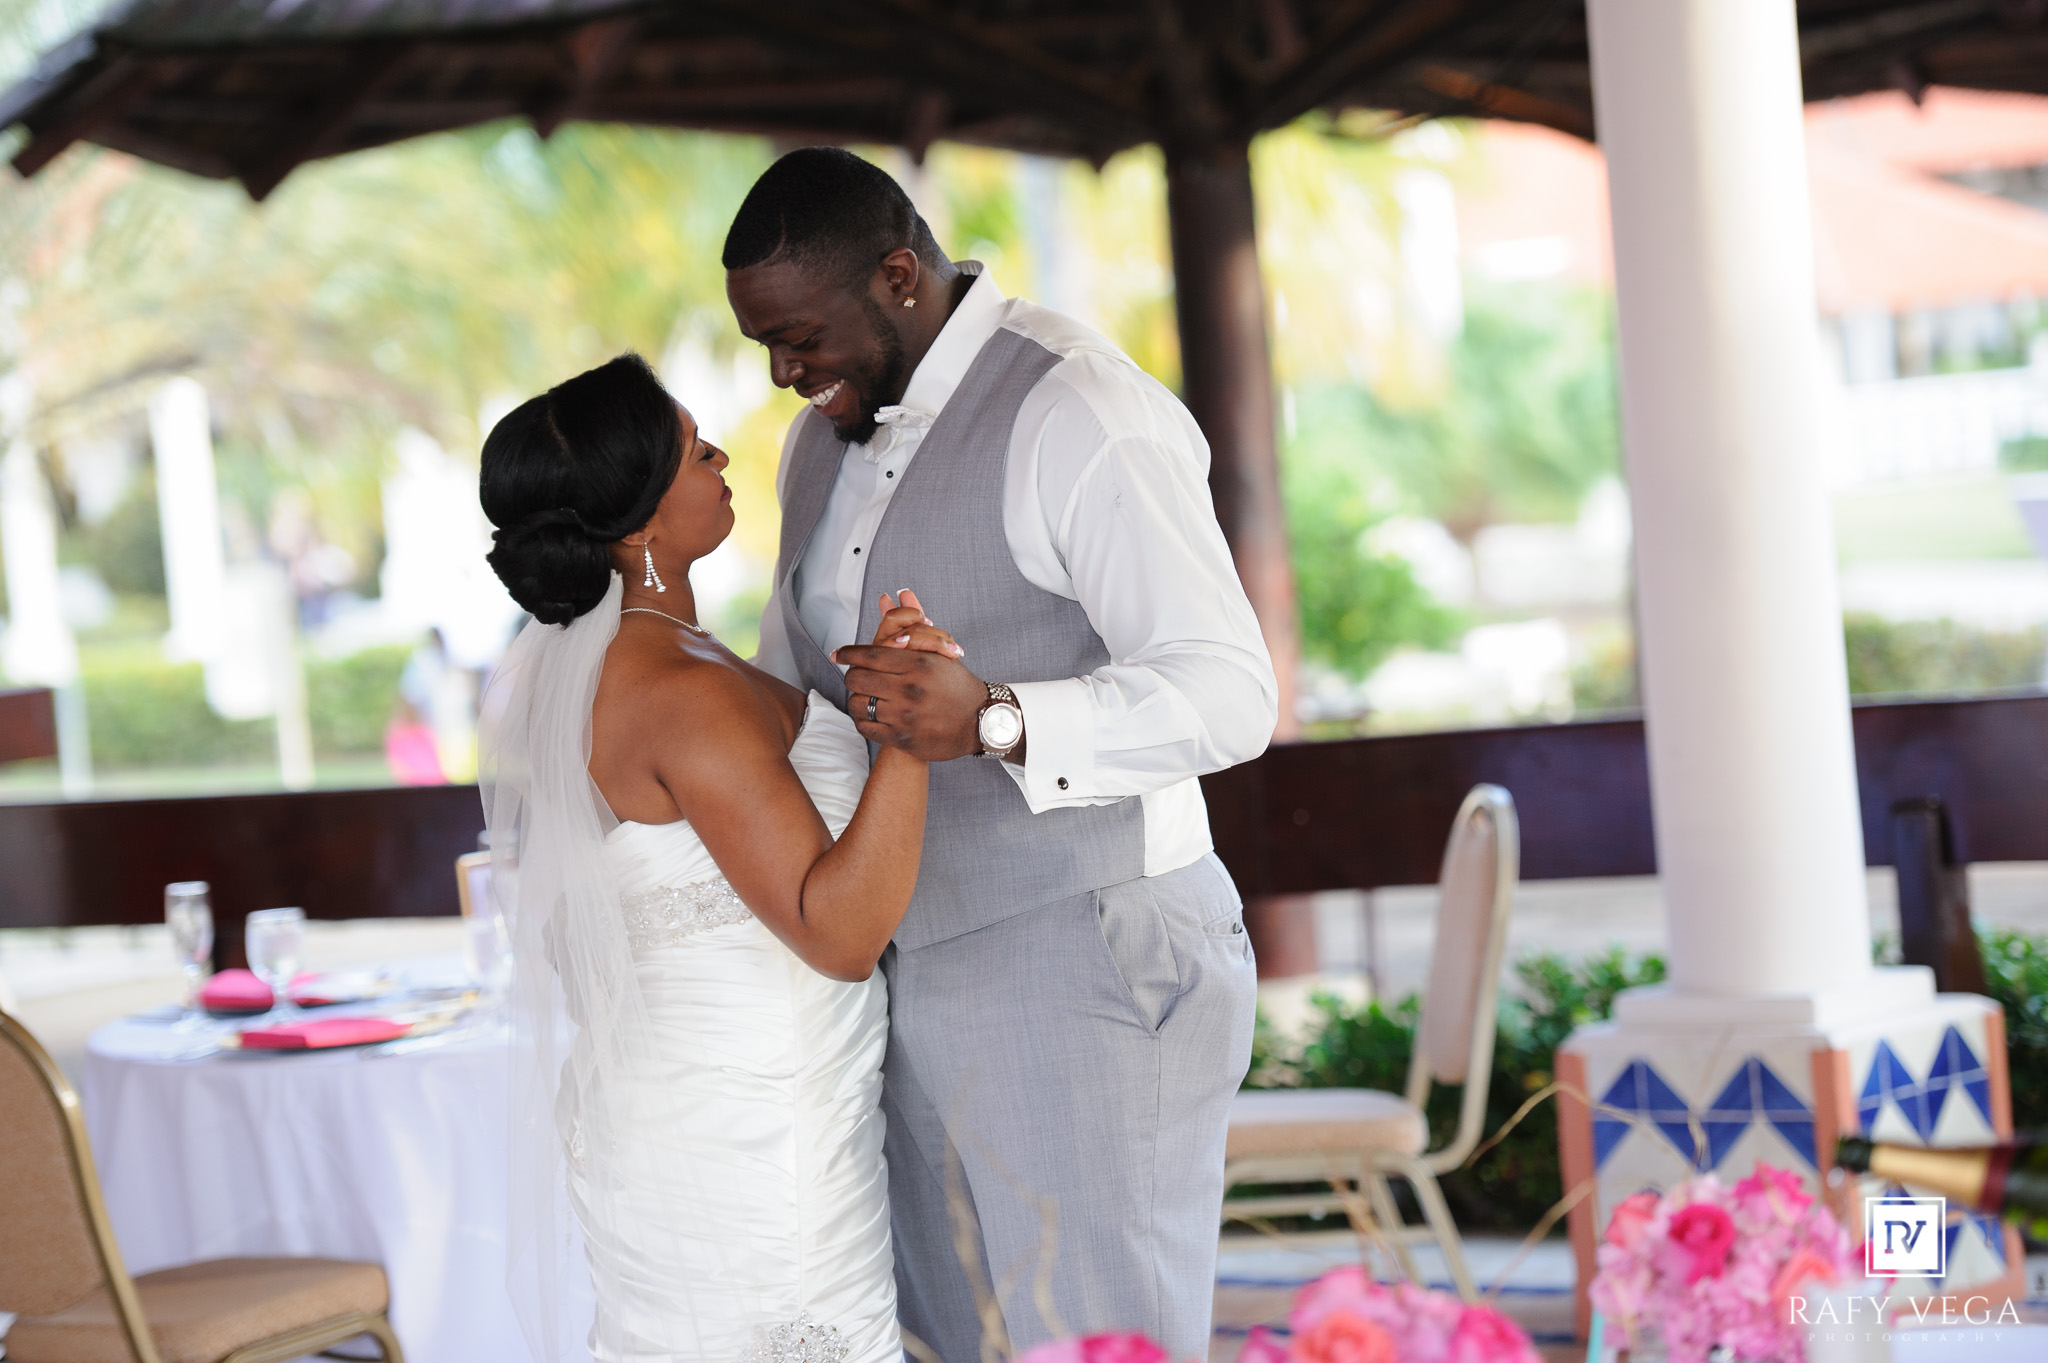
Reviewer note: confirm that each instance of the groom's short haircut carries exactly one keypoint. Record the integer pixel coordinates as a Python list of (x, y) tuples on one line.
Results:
[(831, 214)]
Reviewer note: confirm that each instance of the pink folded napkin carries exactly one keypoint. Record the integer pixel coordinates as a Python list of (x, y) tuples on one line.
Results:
[(320, 1034), (243, 991), (235, 991)]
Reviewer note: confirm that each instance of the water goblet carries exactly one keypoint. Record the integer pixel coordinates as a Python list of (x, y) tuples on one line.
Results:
[(188, 914), (487, 951), (275, 941)]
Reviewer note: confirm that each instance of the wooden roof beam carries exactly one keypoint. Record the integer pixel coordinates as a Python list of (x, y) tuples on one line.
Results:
[(99, 101), (1896, 43), (1505, 101), (1855, 36), (980, 58), (596, 52), (1191, 116), (1368, 39), (856, 90), (326, 128)]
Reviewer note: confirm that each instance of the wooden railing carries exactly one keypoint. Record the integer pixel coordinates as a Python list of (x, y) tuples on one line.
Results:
[(28, 724), (1374, 811), (1311, 816)]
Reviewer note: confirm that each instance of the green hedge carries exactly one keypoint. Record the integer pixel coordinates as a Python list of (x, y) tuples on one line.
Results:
[(144, 712), (1886, 658), (351, 698), (1938, 657)]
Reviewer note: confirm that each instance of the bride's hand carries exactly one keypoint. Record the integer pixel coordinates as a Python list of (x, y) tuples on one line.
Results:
[(905, 625)]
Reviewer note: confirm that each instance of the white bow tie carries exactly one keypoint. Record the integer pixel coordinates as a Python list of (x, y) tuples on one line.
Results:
[(895, 424)]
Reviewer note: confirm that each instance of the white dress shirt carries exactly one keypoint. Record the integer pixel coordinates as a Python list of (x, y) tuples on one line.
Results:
[(1105, 502)]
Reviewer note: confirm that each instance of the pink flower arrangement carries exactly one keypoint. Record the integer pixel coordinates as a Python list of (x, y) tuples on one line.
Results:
[(1704, 1265), (1346, 1317)]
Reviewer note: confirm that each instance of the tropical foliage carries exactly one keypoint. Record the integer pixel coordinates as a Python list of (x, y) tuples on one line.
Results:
[(1525, 426)]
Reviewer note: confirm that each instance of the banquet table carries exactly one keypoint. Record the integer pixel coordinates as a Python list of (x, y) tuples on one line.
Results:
[(396, 1156)]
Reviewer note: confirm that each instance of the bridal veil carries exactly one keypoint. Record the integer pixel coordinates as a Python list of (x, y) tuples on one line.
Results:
[(579, 1018)]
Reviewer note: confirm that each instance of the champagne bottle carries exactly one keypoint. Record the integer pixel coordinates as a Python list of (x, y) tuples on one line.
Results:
[(2010, 1179)]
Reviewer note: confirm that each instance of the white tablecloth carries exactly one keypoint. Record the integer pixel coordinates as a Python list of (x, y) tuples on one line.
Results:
[(398, 1159)]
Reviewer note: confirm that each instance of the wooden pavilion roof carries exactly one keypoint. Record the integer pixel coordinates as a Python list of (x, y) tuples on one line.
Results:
[(249, 89)]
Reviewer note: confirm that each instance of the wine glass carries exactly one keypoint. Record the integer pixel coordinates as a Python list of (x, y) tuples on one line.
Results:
[(488, 954), (188, 913), (275, 941)]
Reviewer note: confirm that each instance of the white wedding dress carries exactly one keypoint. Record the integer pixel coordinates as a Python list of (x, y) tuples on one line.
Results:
[(745, 1213)]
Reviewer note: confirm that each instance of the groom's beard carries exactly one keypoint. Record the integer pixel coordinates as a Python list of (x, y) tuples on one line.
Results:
[(884, 375)]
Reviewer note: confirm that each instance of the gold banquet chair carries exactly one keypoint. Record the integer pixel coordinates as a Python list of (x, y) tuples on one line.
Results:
[(62, 1276), (1354, 1141)]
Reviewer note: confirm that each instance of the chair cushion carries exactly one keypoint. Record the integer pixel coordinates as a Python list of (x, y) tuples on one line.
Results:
[(203, 1312), (1310, 1121)]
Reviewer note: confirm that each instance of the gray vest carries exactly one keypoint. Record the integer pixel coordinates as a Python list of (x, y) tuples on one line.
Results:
[(986, 855)]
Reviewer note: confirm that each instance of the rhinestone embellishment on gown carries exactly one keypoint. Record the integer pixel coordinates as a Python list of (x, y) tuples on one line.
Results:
[(802, 1340), (664, 916)]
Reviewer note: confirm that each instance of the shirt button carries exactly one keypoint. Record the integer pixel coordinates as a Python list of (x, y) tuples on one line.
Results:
[(856, 549), (890, 474), (1063, 783)]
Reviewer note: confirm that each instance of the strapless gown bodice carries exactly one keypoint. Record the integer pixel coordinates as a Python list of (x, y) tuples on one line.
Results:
[(751, 1204)]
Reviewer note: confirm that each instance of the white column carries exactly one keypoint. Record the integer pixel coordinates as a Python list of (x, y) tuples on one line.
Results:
[(1745, 689), (188, 510)]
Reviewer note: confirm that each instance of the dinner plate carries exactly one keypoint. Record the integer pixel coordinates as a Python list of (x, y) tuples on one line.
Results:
[(342, 986)]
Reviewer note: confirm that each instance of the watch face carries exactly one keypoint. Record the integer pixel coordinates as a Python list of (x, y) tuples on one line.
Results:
[(1001, 726)]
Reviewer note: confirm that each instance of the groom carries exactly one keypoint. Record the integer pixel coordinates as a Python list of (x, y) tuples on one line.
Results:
[(1071, 992)]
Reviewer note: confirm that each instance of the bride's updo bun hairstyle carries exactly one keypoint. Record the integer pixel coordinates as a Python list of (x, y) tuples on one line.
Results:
[(571, 472)]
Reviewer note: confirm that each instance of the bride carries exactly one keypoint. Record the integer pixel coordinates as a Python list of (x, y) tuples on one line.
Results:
[(701, 871)]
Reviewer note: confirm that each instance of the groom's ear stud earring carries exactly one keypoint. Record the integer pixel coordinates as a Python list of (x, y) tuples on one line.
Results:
[(910, 302)]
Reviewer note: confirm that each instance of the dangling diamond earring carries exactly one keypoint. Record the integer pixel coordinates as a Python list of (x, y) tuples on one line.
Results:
[(653, 578)]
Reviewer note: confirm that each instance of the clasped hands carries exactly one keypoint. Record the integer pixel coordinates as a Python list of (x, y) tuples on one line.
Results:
[(924, 700)]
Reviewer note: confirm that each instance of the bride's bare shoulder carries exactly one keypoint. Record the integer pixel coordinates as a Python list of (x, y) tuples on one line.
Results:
[(667, 725), (687, 702)]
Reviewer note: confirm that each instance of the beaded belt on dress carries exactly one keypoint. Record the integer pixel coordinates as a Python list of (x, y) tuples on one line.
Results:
[(802, 1340), (665, 915)]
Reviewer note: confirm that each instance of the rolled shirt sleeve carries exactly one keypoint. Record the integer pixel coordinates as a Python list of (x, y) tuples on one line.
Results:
[(1108, 504)]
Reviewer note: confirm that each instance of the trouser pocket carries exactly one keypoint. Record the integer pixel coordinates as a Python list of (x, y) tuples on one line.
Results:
[(1140, 947)]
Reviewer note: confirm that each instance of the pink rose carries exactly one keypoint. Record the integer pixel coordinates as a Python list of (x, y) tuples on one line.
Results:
[(1347, 1286), (1344, 1336), (1781, 1190), (1484, 1335), (1260, 1346), (1705, 1233), (1803, 1267), (1121, 1348), (1631, 1219)]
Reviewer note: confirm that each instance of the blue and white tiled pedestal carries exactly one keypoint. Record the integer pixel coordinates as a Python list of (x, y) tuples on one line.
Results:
[(1724, 1094)]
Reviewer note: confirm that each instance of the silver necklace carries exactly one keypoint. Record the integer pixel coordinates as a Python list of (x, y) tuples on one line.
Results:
[(697, 630)]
